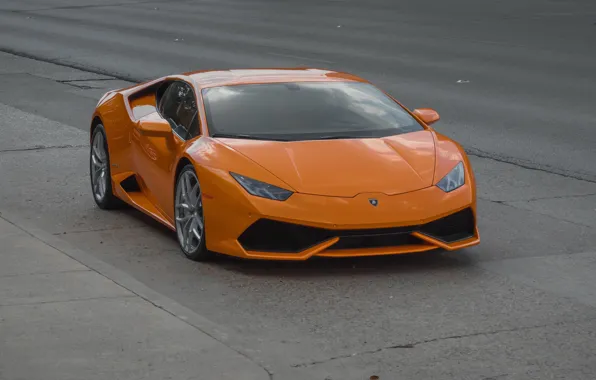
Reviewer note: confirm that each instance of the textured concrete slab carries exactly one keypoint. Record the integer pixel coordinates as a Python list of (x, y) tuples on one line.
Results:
[(125, 338), (570, 276), (20, 256), (578, 209), (57, 287), (23, 130), (512, 232)]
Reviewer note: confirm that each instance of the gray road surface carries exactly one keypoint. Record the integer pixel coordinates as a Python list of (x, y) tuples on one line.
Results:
[(522, 305), (530, 64)]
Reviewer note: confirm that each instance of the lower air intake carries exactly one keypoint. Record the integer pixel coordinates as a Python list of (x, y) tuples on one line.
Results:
[(452, 228)]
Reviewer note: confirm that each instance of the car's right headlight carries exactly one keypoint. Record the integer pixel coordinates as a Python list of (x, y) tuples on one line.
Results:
[(262, 189), (454, 179)]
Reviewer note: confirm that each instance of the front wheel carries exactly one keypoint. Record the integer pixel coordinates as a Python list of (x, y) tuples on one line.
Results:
[(190, 221), (99, 168)]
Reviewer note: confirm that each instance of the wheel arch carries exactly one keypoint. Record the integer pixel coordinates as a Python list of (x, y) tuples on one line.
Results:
[(182, 162), (94, 123)]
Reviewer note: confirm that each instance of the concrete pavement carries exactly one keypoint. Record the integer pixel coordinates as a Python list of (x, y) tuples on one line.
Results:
[(520, 304), (61, 319)]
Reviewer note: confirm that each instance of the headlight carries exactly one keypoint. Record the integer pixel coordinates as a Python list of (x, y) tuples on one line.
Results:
[(454, 179), (262, 189)]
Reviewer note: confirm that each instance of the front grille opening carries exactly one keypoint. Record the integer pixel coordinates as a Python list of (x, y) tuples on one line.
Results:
[(452, 228), (267, 235), (272, 236), (375, 241)]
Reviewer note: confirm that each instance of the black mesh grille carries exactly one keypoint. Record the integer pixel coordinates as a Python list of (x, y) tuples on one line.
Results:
[(451, 228), (272, 236), (267, 235), (375, 241)]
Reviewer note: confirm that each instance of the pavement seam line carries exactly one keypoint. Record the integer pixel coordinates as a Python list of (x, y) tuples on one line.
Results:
[(44, 273), (66, 301), (415, 344), (86, 80), (59, 62), (97, 230), (42, 147), (136, 294), (66, 7)]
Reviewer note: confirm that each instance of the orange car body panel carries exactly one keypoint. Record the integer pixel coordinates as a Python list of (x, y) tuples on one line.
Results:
[(328, 178)]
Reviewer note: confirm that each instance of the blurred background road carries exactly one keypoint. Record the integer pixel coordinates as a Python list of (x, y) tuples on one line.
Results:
[(513, 81)]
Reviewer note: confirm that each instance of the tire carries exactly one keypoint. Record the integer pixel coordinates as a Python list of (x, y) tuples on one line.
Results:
[(99, 171), (188, 215)]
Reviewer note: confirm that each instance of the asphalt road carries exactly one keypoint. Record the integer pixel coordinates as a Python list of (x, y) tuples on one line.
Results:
[(514, 82)]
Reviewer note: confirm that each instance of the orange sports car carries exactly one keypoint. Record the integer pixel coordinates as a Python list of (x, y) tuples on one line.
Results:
[(282, 164)]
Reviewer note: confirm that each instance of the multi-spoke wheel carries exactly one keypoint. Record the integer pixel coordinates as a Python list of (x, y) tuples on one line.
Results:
[(99, 162), (190, 222)]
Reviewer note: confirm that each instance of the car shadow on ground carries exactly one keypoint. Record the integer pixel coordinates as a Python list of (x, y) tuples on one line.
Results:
[(436, 260)]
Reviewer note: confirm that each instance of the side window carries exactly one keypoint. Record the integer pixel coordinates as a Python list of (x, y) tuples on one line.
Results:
[(179, 107)]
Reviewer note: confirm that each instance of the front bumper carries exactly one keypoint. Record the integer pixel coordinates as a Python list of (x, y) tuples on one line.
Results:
[(309, 225)]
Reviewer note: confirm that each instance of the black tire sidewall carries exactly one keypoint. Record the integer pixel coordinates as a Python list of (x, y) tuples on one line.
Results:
[(109, 200)]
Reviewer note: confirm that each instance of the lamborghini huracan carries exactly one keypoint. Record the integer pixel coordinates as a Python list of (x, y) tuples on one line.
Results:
[(283, 164)]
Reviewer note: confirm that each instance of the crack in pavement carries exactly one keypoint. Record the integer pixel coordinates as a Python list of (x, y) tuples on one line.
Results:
[(415, 344), (42, 147), (556, 197), (528, 165), (541, 198)]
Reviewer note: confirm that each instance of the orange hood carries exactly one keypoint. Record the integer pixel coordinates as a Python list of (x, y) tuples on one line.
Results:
[(345, 168)]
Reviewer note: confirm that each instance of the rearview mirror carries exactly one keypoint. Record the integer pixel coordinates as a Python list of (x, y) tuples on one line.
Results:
[(428, 115), (156, 128)]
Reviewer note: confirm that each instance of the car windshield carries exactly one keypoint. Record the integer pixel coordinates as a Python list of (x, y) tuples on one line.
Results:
[(304, 111)]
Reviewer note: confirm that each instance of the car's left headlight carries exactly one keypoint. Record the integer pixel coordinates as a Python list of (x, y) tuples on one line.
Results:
[(262, 189), (454, 179)]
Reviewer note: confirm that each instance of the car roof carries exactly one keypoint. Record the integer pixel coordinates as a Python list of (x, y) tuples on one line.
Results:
[(213, 78)]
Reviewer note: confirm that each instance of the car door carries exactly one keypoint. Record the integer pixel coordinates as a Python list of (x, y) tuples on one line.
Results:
[(157, 155)]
